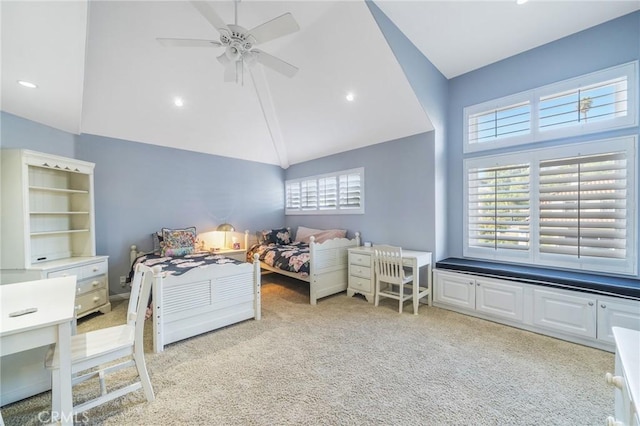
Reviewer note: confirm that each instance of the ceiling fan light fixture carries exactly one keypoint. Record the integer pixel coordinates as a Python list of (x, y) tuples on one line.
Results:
[(179, 102), (350, 96)]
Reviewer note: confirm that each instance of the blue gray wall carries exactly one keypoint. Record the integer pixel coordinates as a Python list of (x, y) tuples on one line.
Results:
[(431, 89), (606, 45), (395, 201)]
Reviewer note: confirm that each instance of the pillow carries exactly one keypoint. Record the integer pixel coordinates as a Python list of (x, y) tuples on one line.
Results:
[(303, 234), (157, 242), (178, 242), (275, 236)]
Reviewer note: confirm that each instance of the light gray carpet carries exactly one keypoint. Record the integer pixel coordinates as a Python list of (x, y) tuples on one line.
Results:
[(345, 362)]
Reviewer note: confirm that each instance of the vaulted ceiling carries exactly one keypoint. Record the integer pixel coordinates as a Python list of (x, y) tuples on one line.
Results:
[(100, 70)]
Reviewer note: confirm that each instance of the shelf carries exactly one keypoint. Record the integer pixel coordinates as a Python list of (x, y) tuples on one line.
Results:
[(53, 213), (68, 231), (67, 191)]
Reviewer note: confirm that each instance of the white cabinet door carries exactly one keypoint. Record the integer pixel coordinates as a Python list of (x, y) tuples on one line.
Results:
[(560, 311), (617, 313), (455, 289), (500, 298)]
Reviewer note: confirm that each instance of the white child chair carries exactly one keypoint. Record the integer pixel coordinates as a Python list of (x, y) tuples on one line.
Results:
[(399, 284), (103, 346)]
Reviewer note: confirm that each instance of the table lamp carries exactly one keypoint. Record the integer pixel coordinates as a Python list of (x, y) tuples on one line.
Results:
[(225, 227)]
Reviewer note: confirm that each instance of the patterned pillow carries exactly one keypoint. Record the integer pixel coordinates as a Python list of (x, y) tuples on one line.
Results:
[(178, 242), (276, 236)]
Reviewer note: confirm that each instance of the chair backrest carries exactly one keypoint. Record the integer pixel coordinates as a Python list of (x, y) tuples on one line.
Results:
[(139, 298), (388, 263)]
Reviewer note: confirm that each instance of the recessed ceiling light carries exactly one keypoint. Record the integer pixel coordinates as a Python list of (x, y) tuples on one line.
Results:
[(27, 84), (350, 97), (178, 102), (521, 1)]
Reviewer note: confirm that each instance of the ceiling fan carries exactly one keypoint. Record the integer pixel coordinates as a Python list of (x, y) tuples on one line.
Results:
[(239, 42)]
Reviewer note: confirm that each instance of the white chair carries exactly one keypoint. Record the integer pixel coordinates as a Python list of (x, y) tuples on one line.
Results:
[(104, 346), (399, 285)]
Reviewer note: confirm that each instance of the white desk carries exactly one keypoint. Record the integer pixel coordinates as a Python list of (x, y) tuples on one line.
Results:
[(361, 271), (52, 323)]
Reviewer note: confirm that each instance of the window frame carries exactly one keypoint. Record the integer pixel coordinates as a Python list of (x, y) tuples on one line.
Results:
[(533, 97), (534, 157), (323, 210)]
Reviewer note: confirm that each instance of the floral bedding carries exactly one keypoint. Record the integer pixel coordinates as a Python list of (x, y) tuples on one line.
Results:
[(180, 264), (292, 257)]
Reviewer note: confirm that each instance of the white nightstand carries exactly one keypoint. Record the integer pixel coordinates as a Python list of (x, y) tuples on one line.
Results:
[(361, 276), (237, 254)]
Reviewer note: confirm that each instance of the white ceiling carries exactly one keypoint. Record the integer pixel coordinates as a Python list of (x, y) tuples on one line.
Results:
[(101, 71)]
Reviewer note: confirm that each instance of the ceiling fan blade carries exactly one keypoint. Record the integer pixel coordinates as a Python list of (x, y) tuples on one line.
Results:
[(187, 42), (211, 15), (275, 64), (277, 27)]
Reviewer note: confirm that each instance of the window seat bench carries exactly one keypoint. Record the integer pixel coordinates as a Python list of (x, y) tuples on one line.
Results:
[(574, 306), (581, 281)]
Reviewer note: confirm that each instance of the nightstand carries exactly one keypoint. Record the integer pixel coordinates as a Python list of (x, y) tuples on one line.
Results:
[(237, 254), (361, 274)]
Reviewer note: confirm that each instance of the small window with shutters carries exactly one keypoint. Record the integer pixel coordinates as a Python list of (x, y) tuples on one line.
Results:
[(331, 193)]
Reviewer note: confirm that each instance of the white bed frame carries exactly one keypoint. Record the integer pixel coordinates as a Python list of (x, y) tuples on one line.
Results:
[(202, 300), (328, 267)]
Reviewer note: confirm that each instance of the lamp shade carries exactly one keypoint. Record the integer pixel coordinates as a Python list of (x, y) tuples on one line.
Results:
[(225, 227)]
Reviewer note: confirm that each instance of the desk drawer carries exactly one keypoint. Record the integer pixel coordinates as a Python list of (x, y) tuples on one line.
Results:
[(90, 301), (360, 259), (81, 272), (360, 271), (91, 284), (362, 284)]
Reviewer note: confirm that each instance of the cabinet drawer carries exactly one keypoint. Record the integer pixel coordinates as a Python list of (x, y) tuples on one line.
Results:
[(360, 259), (362, 284), (360, 271), (93, 283), (90, 300), (82, 272)]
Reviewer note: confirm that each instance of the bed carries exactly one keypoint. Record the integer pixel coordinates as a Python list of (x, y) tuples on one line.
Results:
[(315, 256), (199, 292)]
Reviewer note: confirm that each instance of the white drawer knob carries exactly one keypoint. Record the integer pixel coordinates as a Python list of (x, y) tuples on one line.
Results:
[(96, 299), (78, 307), (95, 283), (616, 381), (611, 421), (78, 290)]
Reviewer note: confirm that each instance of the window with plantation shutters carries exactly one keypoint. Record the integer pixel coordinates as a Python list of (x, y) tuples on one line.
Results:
[(327, 193), (351, 191), (583, 206), (292, 195), (603, 100), (499, 207), (308, 195), (331, 193), (570, 206)]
